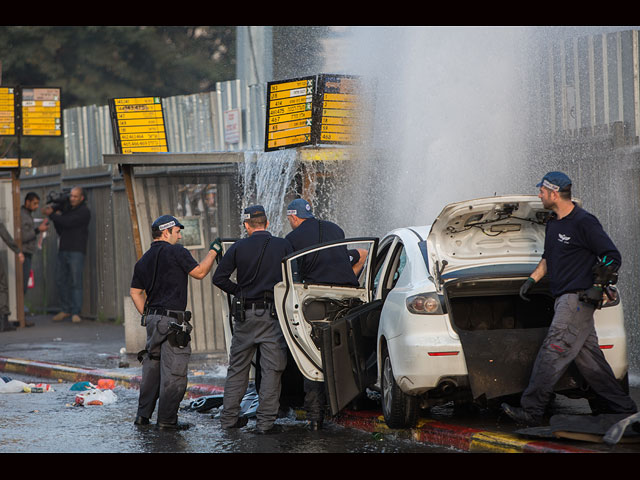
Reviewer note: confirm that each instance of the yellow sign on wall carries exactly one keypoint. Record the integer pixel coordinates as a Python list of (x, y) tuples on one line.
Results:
[(7, 111), (138, 125), (41, 112), (289, 113)]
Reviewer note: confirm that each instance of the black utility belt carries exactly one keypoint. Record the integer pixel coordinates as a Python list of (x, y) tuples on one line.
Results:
[(257, 305), (183, 316)]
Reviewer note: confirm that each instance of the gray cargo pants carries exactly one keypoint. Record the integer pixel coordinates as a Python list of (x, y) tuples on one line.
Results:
[(254, 332), (164, 372), (572, 338)]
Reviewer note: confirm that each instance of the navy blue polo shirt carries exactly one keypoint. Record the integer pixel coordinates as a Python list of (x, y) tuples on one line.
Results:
[(171, 284), (571, 248), (243, 257), (330, 266)]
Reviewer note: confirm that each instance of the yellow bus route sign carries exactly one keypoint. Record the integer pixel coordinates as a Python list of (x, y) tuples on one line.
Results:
[(31, 111), (8, 108), (339, 119), (321, 109), (41, 112), (289, 113), (138, 125)]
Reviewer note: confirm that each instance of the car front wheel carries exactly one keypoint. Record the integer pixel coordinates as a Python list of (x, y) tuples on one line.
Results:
[(399, 409)]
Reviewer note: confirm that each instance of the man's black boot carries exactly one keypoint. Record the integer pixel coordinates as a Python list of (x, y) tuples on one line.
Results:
[(315, 425), (140, 420), (173, 426), (240, 422), (269, 431), (520, 416)]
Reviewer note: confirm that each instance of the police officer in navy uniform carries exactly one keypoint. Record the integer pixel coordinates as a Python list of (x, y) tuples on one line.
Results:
[(162, 274), (332, 266), (256, 260), (581, 260)]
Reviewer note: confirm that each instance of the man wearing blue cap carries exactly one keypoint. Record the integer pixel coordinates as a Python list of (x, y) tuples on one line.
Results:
[(580, 260), (159, 289), (256, 260), (332, 266)]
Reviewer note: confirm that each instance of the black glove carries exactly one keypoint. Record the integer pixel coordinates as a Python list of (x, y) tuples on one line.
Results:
[(605, 272), (216, 246), (526, 286), (592, 296)]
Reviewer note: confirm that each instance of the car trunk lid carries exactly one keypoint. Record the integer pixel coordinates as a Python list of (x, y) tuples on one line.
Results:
[(489, 231)]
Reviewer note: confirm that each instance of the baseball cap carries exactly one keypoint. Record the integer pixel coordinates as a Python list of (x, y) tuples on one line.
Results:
[(165, 221), (300, 208), (253, 212), (556, 181)]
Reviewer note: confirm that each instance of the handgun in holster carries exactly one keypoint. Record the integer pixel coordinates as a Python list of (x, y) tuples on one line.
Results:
[(180, 334), (237, 309)]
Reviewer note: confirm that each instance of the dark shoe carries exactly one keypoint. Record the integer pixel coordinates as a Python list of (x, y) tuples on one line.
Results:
[(315, 425), (240, 422), (269, 431), (520, 416), (141, 420), (173, 426)]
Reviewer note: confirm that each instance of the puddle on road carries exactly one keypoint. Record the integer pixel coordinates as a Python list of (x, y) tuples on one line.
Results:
[(50, 423)]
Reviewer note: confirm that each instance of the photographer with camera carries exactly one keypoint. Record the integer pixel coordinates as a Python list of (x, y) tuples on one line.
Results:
[(71, 222)]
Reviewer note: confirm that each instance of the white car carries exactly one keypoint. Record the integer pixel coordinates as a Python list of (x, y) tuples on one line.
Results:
[(437, 316)]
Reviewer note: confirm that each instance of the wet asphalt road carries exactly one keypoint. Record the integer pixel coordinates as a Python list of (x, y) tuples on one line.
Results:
[(50, 422)]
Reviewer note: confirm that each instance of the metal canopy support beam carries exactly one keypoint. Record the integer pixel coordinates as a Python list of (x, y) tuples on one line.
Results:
[(127, 174), (167, 159)]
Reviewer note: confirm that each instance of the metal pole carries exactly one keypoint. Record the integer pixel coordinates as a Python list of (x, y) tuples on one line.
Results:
[(17, 223)]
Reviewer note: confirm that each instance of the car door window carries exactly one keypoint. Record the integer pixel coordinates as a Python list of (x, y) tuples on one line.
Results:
[(378, 270), (358, 261), (399, 262), (394, 268)]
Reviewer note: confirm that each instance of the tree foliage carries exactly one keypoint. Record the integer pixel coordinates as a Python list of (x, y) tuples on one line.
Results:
[(92, 64)]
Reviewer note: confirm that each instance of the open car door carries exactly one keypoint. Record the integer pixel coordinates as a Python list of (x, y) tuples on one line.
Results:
[(331, 330)]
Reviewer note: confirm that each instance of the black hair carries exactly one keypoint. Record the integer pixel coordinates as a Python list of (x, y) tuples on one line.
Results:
[(31, 196), (565, 193)]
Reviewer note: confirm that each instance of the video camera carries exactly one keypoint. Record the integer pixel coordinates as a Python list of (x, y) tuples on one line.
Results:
[(59, 200)]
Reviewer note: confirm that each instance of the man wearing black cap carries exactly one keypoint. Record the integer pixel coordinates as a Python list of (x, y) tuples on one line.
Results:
[(332, 266), (256, 260), (580, 259), (163, 273)]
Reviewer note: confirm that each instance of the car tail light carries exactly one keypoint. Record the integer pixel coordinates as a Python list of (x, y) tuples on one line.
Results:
[(425, 304)]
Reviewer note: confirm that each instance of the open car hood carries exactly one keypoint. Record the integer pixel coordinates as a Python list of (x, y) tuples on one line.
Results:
[(487, 231)]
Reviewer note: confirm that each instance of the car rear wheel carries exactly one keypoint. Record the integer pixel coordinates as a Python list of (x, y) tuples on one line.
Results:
[(399, 409)]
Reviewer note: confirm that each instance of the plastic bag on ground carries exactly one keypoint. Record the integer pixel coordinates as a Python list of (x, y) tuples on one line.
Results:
[(82, 386), (95, 397), (8, 385)]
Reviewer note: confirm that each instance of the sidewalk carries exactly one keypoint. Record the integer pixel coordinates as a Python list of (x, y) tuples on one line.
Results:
[(90, 350)]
